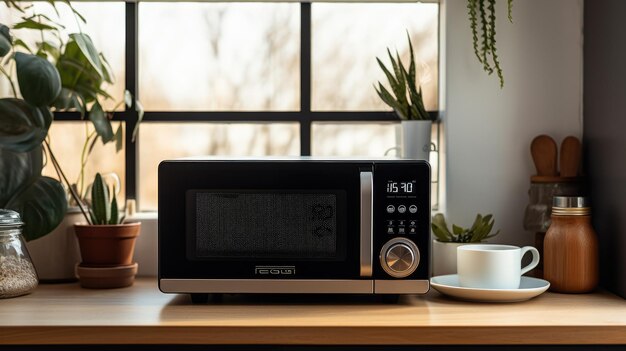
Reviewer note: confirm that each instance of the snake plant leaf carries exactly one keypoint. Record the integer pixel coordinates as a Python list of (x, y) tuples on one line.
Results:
[(386, 96), (22, 126), (5, 40), (17, 169), (100, 201), (412, 75), (89, 50), (396, 85), (42, 205), (101, 123), (39, 80), (114, 211)]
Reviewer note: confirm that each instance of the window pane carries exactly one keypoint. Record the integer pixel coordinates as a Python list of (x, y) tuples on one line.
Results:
[(67, 140), (352, 139), (161, 141), (218, 56), (347, 38), (105, 26)]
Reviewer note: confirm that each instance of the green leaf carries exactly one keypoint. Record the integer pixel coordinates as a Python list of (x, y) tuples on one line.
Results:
[(42, 205), (22, 126), (16, 170), (106, 70), (114, 211), (21, 43), (30, 23), (101, 123), (69, 100), (89, 51), (457, 230), (386, 96), (100, 201), (5, 40), (119, 138), (39, 80), (412, 77)]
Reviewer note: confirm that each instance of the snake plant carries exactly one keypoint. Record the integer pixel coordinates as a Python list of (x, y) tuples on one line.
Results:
[(102, 211), (405, 97)]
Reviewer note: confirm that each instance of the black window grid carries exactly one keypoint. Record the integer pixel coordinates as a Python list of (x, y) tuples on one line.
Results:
[(304, 117)]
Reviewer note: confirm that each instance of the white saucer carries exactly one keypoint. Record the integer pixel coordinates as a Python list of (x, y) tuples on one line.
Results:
[(529, 288)]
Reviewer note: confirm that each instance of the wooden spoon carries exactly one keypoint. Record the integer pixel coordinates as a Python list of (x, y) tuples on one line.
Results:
[(570, 156), (544, 152)]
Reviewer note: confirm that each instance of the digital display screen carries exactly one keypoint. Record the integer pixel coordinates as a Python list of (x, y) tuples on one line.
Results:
[(401, 187)]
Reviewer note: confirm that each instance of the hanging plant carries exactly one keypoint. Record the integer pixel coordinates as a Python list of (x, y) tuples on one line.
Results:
[(482, 16)]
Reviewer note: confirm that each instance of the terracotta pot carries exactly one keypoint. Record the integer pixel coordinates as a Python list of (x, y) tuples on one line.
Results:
[(106, 277), (107, 245)]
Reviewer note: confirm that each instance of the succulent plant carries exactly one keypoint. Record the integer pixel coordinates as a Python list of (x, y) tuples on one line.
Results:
[(406, 99), (102, 211), (478, 232)]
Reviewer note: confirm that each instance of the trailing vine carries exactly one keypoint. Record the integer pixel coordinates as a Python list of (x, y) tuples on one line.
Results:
[(482, 16)]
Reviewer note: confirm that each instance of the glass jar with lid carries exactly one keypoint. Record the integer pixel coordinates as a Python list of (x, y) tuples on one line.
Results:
[(17, 273)]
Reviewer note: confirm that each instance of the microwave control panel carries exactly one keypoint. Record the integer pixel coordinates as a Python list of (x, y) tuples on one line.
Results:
[(402, 220)]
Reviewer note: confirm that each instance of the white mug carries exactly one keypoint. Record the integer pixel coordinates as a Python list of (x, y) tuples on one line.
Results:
[(493, 266)]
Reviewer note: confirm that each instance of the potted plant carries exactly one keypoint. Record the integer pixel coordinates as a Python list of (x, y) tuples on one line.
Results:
[(446, 241), (73, 73), (106, 243), (406, 100)]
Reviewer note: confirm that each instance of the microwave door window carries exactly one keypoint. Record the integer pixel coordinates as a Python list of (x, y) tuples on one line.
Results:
[(270, 225)]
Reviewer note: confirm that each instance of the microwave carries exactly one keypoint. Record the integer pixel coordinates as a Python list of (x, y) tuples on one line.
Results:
[(293, 225)]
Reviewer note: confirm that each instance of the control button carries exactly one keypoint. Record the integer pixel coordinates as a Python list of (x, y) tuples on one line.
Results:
[(401, 230), (413, 209), (401, 223), (401, 208), (390, 230), (412, 230), (390, 222), (399, 257), (412, 223), (391, 209)]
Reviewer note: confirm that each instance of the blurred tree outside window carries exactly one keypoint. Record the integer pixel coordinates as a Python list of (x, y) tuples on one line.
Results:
[(245, 57)]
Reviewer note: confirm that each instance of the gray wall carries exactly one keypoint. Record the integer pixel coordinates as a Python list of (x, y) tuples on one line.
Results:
[(488, 130), (605, 131)]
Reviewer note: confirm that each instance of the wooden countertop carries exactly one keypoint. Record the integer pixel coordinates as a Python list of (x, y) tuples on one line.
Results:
[(67, 314)]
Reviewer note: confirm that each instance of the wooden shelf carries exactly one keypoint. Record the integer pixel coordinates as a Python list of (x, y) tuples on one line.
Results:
[(67, 314)]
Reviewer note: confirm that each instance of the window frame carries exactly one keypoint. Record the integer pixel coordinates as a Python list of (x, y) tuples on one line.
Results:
[(304, 117)]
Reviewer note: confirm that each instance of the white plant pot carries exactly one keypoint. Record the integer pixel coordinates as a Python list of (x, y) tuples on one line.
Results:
[(444, 257), (56, 254), (146, 244), (416, 139)]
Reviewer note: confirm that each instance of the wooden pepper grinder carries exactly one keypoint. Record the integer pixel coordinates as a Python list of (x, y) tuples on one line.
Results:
[(570, 247)]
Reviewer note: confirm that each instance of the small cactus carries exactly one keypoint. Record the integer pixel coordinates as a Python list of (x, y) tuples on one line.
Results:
[(102, 211), (479, 231)]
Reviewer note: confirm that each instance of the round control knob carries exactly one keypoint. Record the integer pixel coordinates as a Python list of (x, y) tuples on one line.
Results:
[(399, 257)]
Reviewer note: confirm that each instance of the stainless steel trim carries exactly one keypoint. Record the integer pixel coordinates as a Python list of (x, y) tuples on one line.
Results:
[(367, 219), (401, 286), (288, 286)]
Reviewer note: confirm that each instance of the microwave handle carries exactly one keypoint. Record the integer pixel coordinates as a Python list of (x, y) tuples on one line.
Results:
[(367, 204)]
